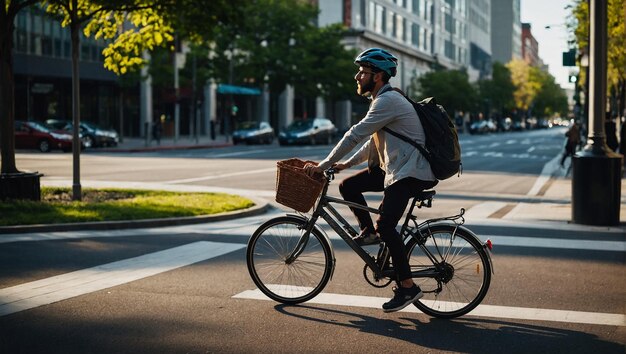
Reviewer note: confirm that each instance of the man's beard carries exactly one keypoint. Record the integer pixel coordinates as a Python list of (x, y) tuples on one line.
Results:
[(366, 88)]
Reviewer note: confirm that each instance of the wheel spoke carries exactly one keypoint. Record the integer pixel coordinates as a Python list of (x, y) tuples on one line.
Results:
[(464, 271), (300, 279)]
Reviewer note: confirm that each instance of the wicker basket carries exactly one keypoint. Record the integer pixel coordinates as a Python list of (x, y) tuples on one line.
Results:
[(294, 188)]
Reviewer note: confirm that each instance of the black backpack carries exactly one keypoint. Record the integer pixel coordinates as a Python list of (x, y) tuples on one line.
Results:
[(442, 149)]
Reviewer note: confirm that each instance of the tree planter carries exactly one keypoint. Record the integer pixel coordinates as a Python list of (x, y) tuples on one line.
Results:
[(23, 185)]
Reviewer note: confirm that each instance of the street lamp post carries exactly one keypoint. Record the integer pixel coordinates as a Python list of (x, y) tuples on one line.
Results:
[(596, 176)]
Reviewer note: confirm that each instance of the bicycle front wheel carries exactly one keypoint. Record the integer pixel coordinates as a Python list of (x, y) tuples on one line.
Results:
[(462, 266), (283, 280)]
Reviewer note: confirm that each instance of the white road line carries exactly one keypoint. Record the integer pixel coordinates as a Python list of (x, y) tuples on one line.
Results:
[(546, 173), (492, 311), (569, 244), (46, 291), (224, 175), (238, 153)]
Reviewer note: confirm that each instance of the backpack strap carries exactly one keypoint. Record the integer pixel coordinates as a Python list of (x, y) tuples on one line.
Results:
[(402, 137), (423, 150)]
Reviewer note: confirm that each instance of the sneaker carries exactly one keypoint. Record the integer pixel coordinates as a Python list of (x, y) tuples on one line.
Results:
[(367, 238), (402, 298)]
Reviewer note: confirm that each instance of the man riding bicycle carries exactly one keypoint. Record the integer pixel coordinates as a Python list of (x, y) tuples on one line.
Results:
[(395, 167)]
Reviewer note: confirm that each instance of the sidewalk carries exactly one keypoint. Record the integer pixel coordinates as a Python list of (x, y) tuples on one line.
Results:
[(552, 196)]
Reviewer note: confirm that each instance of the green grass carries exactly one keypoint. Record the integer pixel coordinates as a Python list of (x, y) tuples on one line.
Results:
[(57, 207)]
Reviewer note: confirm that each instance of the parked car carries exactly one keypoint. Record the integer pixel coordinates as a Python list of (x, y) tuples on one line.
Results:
[(253, 133), (33, 135), (505, 124), (482, 127), (90, 134), (309, 131)]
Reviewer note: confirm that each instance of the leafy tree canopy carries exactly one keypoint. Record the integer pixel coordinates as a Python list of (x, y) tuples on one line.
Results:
[(451, 88), (524, 78), (498, 90), (616, 45)]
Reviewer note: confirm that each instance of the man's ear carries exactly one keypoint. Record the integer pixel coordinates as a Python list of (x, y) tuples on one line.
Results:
[(378, 77)]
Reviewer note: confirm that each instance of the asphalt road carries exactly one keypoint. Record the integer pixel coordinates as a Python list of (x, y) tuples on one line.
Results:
[(186, 289)]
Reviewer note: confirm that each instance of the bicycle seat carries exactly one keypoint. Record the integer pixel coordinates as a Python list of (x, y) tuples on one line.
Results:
[(424, 195)]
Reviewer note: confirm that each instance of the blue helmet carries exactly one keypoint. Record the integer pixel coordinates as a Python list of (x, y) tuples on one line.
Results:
[(378, 58)]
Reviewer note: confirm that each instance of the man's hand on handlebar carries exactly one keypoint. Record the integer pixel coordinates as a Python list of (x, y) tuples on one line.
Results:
[(312, 169), (338, 167)]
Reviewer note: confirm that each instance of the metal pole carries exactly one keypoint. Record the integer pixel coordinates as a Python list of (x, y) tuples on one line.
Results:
[(76, 143), (176, 104), (597, 78)]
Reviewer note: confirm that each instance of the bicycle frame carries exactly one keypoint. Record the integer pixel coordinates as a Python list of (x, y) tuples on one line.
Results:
[(340, 225)]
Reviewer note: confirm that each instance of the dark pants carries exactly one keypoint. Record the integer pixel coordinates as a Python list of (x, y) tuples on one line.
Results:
[(395, 199), (570, 150)]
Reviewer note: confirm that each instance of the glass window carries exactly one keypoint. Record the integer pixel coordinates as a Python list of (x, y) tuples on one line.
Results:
[(35, 35), (415, 35), (448, 23), (363, 13), (372, 15), (449, 50), (405, 30), (416, 7), (67, 48), (379, 19)]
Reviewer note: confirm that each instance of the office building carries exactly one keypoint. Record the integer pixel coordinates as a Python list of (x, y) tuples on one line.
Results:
[(506, 30)]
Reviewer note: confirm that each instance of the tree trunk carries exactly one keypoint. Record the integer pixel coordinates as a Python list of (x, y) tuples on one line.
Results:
[(7, 94)]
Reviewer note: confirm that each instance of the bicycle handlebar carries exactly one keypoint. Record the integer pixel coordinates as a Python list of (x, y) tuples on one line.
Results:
[(330, 173)]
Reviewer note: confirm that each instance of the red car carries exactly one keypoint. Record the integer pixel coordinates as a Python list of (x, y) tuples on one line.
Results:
[(33, 135)]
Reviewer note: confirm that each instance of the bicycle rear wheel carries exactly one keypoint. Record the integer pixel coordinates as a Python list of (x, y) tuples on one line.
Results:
[(464, 271), (283, 281)]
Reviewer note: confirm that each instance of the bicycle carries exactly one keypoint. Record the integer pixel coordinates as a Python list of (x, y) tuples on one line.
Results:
[(291, 259)]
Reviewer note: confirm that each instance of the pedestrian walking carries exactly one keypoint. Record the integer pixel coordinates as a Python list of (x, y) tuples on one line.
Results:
[(157, 129), (573, 139)]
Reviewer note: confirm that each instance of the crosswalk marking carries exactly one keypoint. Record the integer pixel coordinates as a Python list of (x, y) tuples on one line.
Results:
[(492, 311), (569, 244), (46, 291)]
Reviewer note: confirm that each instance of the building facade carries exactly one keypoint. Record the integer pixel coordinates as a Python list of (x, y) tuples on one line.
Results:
[(506, 30), (43, 74), (423, 34), (530, 47), (479, 24)]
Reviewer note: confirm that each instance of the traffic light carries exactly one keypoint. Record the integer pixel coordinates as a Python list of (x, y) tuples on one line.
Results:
[(573, 78), (569, 58)]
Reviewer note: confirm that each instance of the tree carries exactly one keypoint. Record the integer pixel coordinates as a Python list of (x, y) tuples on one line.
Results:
[(524, 78), (281, 46), (551, 99), (150, 26), (8, 12), (498, 90), (451, 88), (104, 20), (616, 45)]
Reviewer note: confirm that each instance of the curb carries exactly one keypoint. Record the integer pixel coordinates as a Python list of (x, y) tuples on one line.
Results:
[(259, 208)]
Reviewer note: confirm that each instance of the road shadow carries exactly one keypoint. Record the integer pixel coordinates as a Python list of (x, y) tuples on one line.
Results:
[(466, 335)]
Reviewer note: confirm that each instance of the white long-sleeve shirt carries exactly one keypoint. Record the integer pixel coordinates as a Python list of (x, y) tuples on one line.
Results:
[(400, 159)]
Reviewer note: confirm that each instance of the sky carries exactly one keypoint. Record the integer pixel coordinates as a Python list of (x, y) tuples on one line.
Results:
[(552, 41)]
